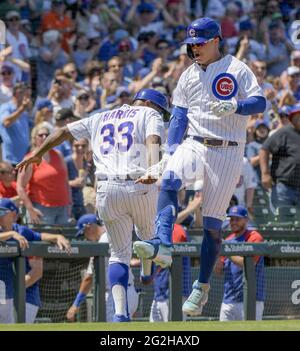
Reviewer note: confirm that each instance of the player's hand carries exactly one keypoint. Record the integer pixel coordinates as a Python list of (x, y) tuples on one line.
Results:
[(154, 172), (222, 108), (35, 215), (21, 240), (266, 181), (147, 179), (27, 161), (63, 243), (71, 314)]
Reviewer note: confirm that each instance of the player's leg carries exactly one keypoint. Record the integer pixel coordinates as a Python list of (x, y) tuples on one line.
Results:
[(181, 169), (259, 310), (222, 170), (7, 312), (143, 208), (111, 204), (31, 312)]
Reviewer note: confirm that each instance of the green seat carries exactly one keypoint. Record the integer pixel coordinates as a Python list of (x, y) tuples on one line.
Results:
[(286, 216), (262, 215)]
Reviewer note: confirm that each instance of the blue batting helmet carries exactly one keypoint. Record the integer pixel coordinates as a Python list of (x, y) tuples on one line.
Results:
[(200, 31), (155, 97)]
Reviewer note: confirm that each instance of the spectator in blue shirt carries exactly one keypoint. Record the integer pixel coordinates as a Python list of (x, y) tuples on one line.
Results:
[(11, 231), (232, 266), (15, 124)]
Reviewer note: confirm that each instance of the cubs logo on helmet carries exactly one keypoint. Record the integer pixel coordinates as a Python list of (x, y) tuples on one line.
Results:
[(224, 86)]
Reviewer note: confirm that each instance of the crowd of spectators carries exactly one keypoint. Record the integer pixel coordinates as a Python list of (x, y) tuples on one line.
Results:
[(65, 60)]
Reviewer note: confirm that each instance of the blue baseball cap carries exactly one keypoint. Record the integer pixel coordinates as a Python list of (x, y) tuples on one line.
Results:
[(44, 103), (294, 110), (7, 205), (86, 219), (246, 25), (146, 7), (261, 123), (238, 211)]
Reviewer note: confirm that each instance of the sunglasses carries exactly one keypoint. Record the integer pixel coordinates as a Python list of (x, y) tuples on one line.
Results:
[(80, 145), (83, 97), (45, 135), (162, 47), (14, 19), (7, 171), (112, 66), (71, 72), (197, 45), (6, 73)]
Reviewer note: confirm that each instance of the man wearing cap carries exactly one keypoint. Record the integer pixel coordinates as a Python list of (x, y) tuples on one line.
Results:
[(278, 49), (93, 229), (295, 61), (232, 308), (11, 231), (125, 144), (17, 40), (283, 177), (291, 94), (261, 131)]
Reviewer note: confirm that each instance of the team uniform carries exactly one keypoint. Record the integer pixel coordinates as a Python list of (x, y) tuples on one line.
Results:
[(218, 166), (132, 295), (232, 306), (118, 140), (7, 288), (210, 102)]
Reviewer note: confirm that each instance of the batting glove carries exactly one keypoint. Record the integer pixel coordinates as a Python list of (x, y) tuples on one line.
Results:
[(222, 108), (154, 172)]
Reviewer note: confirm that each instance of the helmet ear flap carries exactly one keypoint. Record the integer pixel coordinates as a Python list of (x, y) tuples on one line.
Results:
[(190, 52)]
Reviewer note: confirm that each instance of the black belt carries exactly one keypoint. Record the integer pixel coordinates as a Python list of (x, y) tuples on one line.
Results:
[(213, 142)]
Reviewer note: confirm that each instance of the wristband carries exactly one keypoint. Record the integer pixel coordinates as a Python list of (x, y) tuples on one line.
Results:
[(79, 298)]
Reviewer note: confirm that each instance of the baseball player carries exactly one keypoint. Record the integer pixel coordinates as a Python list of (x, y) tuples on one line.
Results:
[(212, 100), (124, 142), (34, 268), (93, 229), (232, 308)]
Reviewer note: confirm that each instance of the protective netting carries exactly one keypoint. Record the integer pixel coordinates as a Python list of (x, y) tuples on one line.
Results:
[(58, 288)]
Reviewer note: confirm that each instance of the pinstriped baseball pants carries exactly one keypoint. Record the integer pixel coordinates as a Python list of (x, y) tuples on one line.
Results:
[(218, 167), (121, 205)]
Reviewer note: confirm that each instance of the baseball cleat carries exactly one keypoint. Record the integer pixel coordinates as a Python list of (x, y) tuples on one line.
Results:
[(120, 318), (163, 258), (194, 304)]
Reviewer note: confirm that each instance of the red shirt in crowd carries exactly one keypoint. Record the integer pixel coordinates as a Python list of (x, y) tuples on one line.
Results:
[(8, 192)]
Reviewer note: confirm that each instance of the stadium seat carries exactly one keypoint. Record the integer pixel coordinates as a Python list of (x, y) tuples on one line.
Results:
[(262, 216), (286, 216)]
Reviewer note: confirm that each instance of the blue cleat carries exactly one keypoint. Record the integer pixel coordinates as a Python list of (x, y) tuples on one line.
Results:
[(120, 318), (161, 254), (195, 302)]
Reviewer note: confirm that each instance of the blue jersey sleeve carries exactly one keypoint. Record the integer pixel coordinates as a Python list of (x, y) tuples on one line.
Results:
[(178, 124), (251, 105), (29, 234)]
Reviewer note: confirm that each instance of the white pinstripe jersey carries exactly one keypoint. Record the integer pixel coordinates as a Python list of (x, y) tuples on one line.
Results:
[(224, 79), (118, 138)]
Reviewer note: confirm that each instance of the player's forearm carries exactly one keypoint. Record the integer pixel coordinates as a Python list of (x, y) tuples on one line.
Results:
[(32, 277), (86, 284), (183, 215), (6, 235), (251, 105), (84, 289), (52, 238), (177, 128), (153, 143), (238, 260), (264, 156), (54, 139)]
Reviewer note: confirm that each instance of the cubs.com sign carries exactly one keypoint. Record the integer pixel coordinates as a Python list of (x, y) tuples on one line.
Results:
[(224, 86)]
